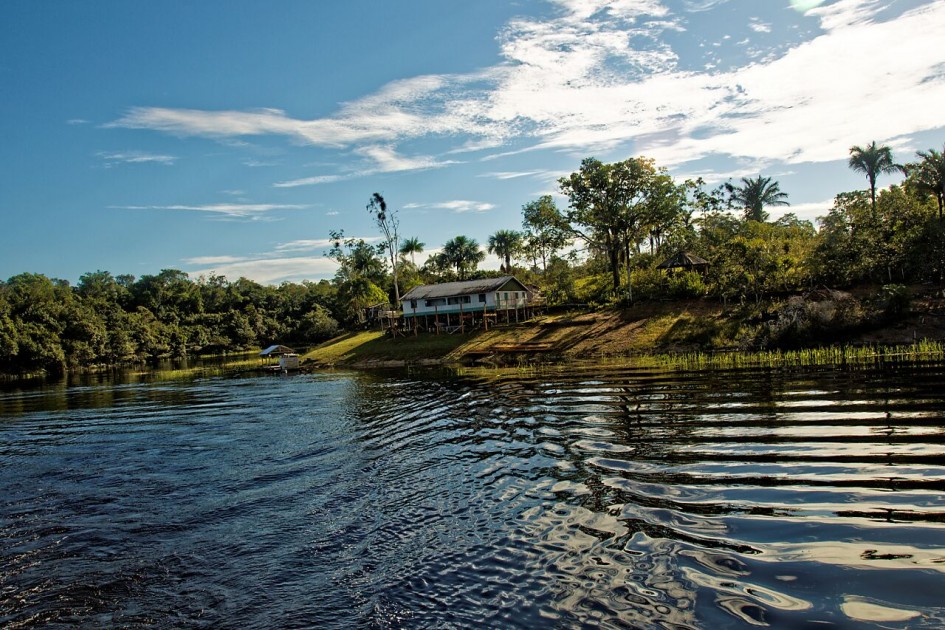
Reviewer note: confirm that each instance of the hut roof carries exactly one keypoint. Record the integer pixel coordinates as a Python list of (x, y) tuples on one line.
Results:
[(466, 287), (275, 351), (683, 260)]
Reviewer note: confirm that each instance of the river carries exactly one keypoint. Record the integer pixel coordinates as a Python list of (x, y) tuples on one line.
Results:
[(587, 495)]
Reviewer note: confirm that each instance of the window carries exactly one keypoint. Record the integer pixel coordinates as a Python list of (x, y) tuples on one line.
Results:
[(436, 302), (462, 299), (413, 304), (482, 298)]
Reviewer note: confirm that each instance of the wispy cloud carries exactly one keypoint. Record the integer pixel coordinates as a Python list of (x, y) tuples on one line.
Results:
[(270, 270), (311, 181), (233, 210), (136, 157), (213, 260), (600, 75), (458, 206), (310, 245), (389, 161), (381, 159), (510, 174), (759, 26), (77, 121)]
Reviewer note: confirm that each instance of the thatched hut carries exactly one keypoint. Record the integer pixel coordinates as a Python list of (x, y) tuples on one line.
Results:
[(686, 261)]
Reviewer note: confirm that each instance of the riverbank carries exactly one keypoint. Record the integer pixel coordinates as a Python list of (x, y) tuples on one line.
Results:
[(689, 327)]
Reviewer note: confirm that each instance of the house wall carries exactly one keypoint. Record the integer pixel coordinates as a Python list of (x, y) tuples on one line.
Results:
[(504, 299)]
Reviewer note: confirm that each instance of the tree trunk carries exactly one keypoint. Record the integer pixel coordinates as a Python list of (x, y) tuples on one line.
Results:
[(613, 254)]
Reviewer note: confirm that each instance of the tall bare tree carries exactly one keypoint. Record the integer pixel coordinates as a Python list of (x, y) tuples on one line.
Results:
[(388, 223)]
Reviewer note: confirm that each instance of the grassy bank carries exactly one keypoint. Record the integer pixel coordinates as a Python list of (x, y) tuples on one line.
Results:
[(692, 334)]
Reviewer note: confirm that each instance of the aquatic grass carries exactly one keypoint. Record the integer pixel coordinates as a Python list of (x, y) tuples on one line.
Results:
[(924, 351)]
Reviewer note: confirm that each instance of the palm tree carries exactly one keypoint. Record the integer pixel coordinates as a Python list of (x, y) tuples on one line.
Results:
[(929, 175), (754, 194), (873, 161), (505, 244), (411, 246), (463, 253)]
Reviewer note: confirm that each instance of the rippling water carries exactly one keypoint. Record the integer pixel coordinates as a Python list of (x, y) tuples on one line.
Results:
[(616, 497)]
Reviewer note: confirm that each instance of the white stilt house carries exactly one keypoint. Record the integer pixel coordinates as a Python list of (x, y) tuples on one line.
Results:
[(454, 304)]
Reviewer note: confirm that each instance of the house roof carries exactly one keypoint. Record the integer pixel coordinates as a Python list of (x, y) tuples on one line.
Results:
[(683, 259), (467, 287), (275, 351)]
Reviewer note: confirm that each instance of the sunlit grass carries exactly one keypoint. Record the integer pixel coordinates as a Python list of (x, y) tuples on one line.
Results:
[(840, 356)]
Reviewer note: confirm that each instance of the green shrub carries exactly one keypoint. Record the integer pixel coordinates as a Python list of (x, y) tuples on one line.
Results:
[(895, 300), (688, 284)]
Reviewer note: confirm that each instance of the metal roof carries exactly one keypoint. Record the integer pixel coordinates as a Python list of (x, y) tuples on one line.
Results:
[(466, 287), (274, 351)]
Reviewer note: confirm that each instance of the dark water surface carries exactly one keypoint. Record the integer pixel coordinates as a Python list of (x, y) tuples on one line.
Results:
[(616, 497)]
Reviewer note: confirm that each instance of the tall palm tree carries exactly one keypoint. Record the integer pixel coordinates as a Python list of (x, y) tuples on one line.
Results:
[(505, 244), (411, 246), (929, 175), (754, 194), (463, 253), (873, 160)]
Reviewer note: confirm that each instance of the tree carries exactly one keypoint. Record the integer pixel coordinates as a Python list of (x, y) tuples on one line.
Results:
[(754, 194), (873, 161), (411, 246), (928, 176), (545, 229), (463, 253), (388, 223), (609, 205), (355, 258), (505, 244)]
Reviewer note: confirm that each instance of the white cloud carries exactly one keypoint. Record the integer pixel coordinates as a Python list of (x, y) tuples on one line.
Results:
[(310, 181), (213, 260), (458, 206), (759, 26), (136, 157), (389, 161), (808, 211), (304, 245), (383, 159), (510, 174), (600, 76), (845, 13), (271, 270), (233, 210), (314, 244)]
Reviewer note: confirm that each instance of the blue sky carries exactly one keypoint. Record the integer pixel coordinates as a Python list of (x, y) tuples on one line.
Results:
[(230, 137)]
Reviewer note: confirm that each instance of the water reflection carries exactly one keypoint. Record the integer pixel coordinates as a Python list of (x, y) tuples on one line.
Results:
[(614, 497)]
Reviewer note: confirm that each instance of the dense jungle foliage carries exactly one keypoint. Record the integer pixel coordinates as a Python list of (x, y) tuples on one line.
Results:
[(622, 221)]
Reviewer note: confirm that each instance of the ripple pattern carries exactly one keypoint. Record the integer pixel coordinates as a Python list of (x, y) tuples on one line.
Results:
[(587, 496)]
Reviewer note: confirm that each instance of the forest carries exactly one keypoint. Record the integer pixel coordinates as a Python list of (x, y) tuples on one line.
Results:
[(602, 250)]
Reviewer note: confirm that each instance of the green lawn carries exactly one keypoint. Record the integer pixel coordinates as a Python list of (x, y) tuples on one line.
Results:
[(376, 346)]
